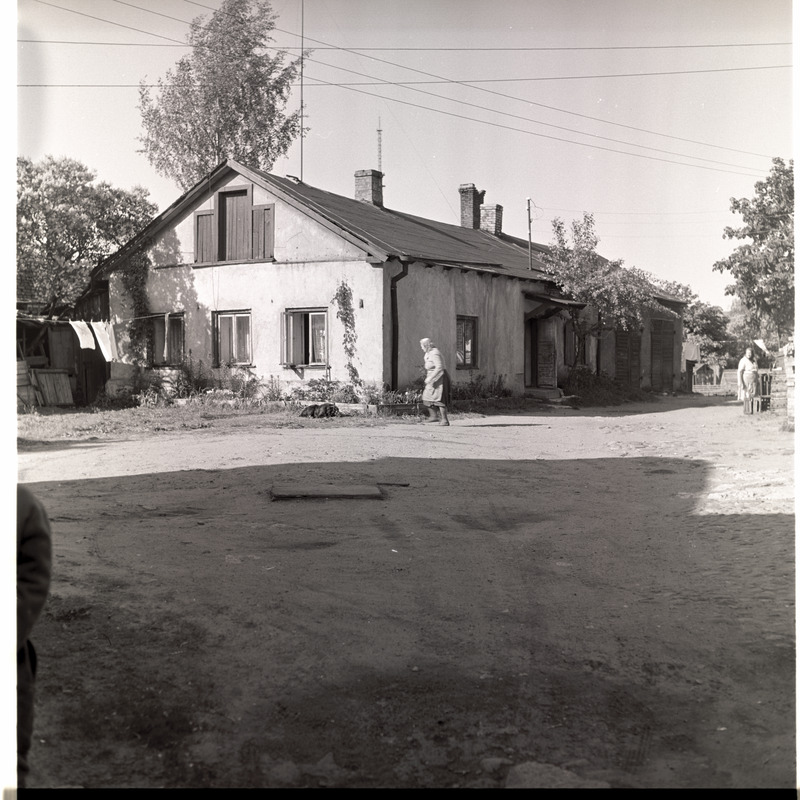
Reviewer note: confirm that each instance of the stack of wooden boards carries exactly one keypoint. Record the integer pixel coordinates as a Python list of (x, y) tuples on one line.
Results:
[(42, 386)]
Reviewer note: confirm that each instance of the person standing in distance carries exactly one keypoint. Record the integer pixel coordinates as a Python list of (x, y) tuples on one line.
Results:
[(747, 379)]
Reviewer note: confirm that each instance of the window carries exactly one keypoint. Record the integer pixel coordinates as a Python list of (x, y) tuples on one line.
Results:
[(235, 230), (165, 344), (466, 342), (305, 337), (232, 337)]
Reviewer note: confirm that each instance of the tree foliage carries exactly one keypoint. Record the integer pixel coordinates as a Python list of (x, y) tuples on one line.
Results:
[(67, 223), (703, 324), (621, 296), (226, 99), (763, 268)]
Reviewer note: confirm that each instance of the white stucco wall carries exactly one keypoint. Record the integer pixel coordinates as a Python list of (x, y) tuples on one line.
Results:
[(309, 262), (267, 290)]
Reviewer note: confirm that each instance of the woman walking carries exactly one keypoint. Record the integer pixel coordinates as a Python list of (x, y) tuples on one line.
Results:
[(436, 394)]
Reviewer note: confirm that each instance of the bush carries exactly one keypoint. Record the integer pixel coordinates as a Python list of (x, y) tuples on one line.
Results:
[(590, 389), (239, 380), (193, 379), (325, 390), (479, 389), (272, 389)]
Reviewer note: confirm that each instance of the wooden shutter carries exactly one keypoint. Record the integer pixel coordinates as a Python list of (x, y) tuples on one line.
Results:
[(627, 345), (175, 340), (204, 237), (263, 238), (284, 323)]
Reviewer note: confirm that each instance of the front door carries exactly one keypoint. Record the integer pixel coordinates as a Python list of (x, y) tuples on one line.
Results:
[(540, 354), (662, 339), (546, 377)]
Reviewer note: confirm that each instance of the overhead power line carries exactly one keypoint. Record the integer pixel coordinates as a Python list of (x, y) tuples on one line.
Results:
[(473, 81), (441, 78), (110, 22), (528, 119), (431, 49), (752, 174), (351, 87)]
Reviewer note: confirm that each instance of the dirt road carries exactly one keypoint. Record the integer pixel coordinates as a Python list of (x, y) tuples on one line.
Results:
[(556, 598)]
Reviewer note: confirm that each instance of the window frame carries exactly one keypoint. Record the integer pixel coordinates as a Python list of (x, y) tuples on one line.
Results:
[(289, 357), (233, 314), (171, 362), (473, 363), (257, 218)]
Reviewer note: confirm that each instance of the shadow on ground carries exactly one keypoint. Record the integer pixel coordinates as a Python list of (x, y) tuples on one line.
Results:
[(577, 613)]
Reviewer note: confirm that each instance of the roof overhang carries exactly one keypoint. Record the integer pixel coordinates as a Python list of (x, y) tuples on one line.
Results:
[(559, 302)]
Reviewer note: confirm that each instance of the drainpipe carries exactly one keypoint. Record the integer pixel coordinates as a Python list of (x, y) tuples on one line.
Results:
[(598, 360), (396, 322)]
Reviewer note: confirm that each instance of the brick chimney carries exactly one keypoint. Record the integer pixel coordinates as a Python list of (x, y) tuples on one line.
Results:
[(369, 186), (471, 200), (492, 219)]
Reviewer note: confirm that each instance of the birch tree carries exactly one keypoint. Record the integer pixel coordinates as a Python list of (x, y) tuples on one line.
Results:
[(226, 99)]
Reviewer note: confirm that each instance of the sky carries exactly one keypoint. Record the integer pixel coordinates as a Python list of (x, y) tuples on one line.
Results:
[(650, 115)]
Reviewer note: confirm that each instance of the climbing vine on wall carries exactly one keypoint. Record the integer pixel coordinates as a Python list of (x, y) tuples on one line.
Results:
[(343, 299), (134, 279)]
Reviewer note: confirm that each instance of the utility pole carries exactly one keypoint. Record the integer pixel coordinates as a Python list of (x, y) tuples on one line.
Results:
[(530, 254), (302, 60)]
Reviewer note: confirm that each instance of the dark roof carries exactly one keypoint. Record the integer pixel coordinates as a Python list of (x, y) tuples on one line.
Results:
[(384, 233), (414, 238)]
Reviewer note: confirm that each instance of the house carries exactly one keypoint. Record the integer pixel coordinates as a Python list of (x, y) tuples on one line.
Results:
[(248, 269)]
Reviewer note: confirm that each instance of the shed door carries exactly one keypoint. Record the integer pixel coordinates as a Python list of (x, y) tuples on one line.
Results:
[(662, 338), (627, 347)]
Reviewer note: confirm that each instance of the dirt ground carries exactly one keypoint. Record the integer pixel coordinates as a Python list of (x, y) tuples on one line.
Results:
[(538, 599)]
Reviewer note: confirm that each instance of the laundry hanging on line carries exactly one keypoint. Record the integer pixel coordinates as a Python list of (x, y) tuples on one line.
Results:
[(84, 334), (104, 332)]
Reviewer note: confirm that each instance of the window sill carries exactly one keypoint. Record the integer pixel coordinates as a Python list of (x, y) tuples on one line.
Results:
[(204, 264), (467, 366), (304, 366)]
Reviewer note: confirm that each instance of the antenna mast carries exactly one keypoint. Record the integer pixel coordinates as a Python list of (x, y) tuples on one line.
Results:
[(530, 255), (380, 134), (302, 59)]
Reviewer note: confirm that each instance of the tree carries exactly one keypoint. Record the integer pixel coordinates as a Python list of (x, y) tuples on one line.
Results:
[(763, 269), (703, 324), (620, 296), (226, 99), (67, 223)]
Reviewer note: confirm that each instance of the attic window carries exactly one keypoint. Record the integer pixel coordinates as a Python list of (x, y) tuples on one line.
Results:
[(234, 230)]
